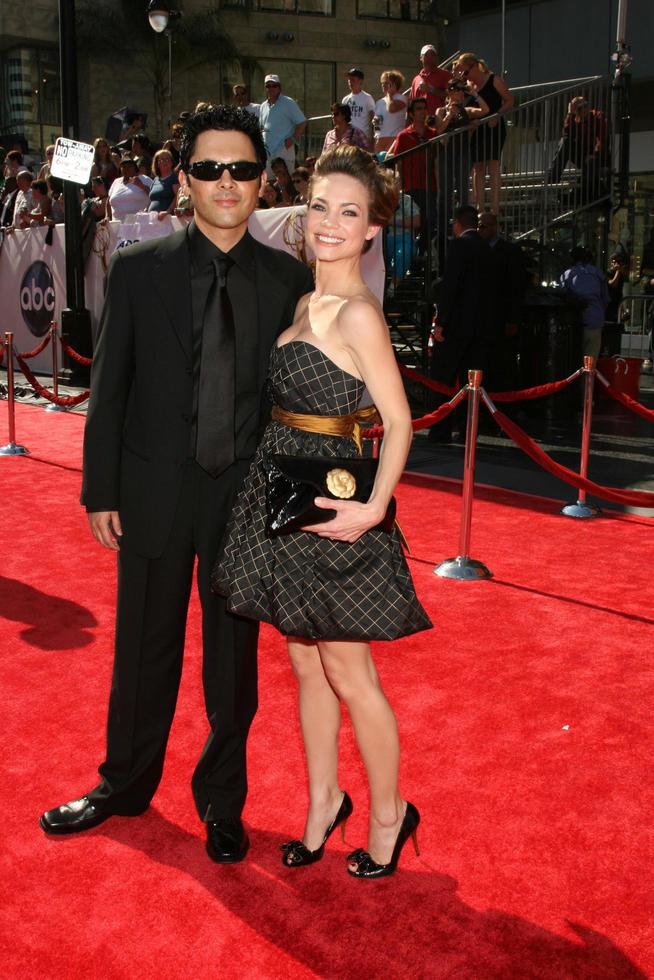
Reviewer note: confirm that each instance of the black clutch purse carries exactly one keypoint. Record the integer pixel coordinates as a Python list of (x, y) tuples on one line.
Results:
[(293, 482)]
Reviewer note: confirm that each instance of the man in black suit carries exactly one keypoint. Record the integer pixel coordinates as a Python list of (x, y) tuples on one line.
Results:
[(175, 415), (463, 328), (509, 281)]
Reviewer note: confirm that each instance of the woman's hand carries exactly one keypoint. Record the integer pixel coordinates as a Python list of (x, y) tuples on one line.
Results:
[(352, 519)]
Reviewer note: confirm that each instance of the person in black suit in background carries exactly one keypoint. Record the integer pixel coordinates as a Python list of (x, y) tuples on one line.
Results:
[(175, 415), (463, 326), (509, 276)]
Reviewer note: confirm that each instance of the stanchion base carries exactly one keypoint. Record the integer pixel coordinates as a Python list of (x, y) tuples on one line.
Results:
[(467, 569), (581, 510), (13, 449), (51, 407)]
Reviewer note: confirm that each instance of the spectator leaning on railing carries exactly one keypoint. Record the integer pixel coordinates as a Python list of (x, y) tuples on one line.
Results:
[(129, 193), (165, 184), (413, 167), (488, 141), (24, 199)]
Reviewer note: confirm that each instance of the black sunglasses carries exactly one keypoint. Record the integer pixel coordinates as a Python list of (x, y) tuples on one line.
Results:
[(213, 170)]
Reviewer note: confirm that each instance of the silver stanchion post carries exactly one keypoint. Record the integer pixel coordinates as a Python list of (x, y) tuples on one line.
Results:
[(51, 406), (463, 566), (581, 508), (12, 448)]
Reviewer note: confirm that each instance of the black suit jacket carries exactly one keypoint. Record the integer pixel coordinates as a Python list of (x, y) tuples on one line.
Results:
[(465, 295), (509, 283), (139, 420)]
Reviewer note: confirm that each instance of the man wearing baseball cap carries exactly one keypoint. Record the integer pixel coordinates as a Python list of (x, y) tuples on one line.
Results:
[(431, 81), (282, 122), (362, 104)]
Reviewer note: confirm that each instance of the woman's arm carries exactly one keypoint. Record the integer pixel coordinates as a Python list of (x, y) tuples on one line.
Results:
[(441, 120), (507, 98), (366, 338), (476, 112), (396, 104)]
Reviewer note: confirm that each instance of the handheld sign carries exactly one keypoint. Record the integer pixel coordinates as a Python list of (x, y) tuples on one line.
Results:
[(72, 160)]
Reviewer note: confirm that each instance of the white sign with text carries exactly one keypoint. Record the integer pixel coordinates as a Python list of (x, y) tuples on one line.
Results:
[(72, 160)]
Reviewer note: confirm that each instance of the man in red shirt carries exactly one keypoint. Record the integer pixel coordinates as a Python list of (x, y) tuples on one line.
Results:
[(431, 81), (417, 170)]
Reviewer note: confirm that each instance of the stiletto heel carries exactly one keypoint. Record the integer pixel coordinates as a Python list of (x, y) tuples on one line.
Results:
[(414, 838), (343, 826), (296, 853), (366, 867)]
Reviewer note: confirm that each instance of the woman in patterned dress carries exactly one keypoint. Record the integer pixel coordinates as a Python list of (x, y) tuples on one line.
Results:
[(331, 587)]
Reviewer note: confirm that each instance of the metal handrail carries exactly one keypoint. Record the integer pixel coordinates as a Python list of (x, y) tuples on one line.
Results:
[(561, 81)]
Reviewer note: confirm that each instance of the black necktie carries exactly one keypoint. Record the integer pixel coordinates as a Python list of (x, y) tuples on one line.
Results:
[(216, 396)]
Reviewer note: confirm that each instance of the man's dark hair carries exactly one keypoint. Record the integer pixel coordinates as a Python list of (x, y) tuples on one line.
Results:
[(581, 254), (466, 215), (224, 118), (413, 103), (40, 186), (14, 155)]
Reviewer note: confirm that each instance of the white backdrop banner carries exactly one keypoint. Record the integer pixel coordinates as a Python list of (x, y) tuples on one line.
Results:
[(33, 275)]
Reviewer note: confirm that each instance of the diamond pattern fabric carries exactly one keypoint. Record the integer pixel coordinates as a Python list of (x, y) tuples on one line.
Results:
[(303, 584)]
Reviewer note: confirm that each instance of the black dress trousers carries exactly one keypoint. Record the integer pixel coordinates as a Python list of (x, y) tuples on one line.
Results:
[(153, 596)]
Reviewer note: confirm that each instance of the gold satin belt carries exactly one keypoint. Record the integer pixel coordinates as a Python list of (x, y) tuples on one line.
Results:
[(347, 426)]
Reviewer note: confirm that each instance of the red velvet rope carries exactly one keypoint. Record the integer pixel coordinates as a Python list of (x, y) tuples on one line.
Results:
[(538, 392), (632, 498), (626, 400), (74, 356), (427, 382), (28, 355), (499, 396), (65, 401), (377, 431)]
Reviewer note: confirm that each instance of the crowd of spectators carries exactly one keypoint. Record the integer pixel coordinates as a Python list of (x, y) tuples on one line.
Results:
[(133, 175)]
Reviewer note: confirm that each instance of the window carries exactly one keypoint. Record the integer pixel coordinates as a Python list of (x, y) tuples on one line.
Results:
[(397, 9), (29, 95), (323, 8)]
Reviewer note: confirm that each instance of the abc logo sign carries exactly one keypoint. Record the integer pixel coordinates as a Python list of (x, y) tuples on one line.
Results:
[(37, 298)]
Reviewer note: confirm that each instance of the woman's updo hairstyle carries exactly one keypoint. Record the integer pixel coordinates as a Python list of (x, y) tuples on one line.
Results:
[(381, 183)]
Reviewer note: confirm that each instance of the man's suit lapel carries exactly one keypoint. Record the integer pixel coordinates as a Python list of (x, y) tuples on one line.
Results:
[(171, 277)]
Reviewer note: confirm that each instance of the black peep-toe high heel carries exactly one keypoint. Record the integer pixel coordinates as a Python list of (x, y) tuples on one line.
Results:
[(296, 853), (367, 868)]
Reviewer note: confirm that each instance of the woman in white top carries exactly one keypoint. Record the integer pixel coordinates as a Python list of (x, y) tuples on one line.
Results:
[(390, 111), (129, 193)]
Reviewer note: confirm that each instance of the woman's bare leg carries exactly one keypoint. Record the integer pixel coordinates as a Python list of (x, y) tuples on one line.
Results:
[(494, 172), (479, 185), (352, 674), (320, 719)]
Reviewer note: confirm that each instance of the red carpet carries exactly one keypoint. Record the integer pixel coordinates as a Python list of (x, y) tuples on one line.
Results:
[(526, 725)]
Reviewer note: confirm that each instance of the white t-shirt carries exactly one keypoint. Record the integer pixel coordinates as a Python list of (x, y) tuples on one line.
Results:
[(391, 122), (127, 199), (252, 107), (361, 105)]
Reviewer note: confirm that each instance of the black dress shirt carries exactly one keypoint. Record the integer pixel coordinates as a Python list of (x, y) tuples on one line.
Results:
[(241, 288)]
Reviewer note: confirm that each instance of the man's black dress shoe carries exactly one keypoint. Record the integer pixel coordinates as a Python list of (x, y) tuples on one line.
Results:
[(79, 815), (227, 842)]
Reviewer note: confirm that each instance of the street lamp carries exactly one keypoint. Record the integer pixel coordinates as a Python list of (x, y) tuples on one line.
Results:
[(162, 17)]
